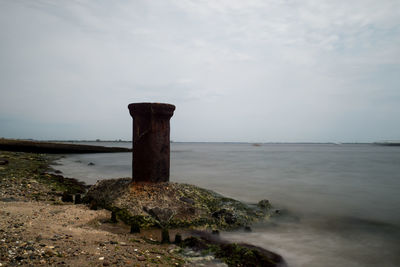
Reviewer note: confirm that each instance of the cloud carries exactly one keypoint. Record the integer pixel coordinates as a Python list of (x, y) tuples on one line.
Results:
[(263, 66)]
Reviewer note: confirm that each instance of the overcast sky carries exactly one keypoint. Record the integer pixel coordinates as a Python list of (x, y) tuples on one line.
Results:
[(257, 71)]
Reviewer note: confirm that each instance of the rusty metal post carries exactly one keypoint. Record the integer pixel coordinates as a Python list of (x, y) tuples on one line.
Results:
[(151, 144)]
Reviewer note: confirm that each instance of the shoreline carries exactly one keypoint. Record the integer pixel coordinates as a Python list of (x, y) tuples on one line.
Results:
[(55, 148), (31, 198), (41, 229)]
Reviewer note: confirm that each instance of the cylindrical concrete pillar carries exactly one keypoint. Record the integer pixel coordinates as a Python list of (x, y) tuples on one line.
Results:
[(151, 144)]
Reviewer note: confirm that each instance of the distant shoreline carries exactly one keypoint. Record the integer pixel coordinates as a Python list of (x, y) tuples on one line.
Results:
[(64, 144), (387, 143), (55, 148), (215, 142)]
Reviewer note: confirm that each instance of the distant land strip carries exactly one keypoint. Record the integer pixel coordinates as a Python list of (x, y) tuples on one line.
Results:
[(388, 143), (55, 148)]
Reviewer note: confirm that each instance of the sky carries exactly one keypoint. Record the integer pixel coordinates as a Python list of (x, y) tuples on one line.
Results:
[(237, 71)]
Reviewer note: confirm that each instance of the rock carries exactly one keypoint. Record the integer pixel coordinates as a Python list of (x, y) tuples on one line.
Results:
[(215, 232), (91, 164), (247, 229), (231, 253), (187, 200), (104, 192), (195, 243), (264, 204), (19, 258), (49, 253), (9, 199), (228, 216), (248, 255), (67, 197), (58, 171), (141, 258), (148, 205), (135, 228), (161, 215), (3, 162)]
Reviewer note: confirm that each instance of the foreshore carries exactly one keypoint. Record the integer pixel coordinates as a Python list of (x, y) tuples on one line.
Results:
[(39, 228)]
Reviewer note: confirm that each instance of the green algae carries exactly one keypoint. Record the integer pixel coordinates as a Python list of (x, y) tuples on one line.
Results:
[(137, 221), (237, 255), (28, 169), (191, 206), (234, 254)]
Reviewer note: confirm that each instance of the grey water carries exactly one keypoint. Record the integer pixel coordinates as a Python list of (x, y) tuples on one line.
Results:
[(340, 203)]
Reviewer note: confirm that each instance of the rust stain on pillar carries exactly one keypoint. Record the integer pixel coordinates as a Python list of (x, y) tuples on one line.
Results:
[(151, 143)]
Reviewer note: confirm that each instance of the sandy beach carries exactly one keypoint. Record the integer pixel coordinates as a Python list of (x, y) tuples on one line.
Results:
[(37, 228), (41, 226)]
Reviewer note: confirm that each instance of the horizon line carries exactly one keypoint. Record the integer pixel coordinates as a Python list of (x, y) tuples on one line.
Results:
[(231, 142)]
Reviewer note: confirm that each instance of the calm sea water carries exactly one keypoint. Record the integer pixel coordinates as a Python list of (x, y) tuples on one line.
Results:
[(340, 203)]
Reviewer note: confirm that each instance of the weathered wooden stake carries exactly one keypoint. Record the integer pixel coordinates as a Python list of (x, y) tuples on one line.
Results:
[(165, 236), (178, 238), (114, 217), (151, 143)]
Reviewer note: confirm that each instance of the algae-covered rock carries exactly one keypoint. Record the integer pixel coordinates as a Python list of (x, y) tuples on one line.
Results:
[(233, 254), (172, 204), (247, 255), (264, 204)]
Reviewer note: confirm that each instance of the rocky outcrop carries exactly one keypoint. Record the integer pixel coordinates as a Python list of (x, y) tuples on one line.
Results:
[(172, 204)]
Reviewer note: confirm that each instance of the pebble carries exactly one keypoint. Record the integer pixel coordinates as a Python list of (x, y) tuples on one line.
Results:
[(101, 258), (141, 258), (50, 252)]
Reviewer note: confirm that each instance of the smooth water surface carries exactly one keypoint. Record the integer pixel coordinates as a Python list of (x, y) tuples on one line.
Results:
[(340, 203)]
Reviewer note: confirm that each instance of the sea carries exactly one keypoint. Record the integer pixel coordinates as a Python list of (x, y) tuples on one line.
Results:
[(339, 203)]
